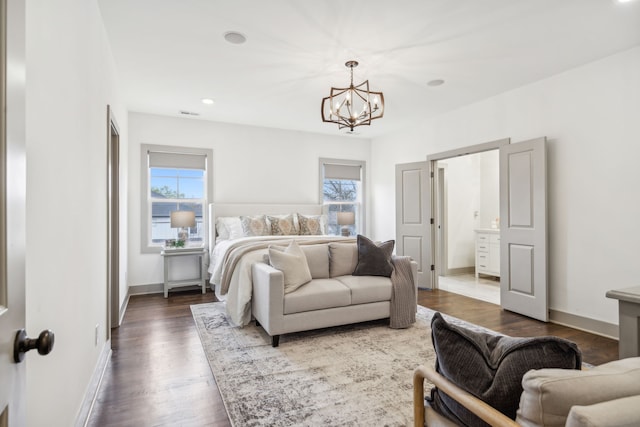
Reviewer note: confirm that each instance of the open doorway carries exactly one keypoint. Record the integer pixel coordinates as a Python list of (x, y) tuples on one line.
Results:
[(113, 224), (467, 210)]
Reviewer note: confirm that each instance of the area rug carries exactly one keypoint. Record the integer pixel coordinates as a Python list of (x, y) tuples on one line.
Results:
[(353, 375)]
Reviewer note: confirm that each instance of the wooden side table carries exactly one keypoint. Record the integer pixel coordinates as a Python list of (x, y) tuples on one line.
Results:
[(168, 254), (629, 320)]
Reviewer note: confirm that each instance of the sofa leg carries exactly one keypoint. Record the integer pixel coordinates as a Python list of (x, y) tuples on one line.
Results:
[(257, 323), (275, 340)]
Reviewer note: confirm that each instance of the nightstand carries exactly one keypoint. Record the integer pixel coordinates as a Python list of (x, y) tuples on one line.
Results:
[(168, 254)]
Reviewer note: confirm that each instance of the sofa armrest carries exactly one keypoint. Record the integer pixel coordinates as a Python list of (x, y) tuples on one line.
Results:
[(268, 297), (486, 412)]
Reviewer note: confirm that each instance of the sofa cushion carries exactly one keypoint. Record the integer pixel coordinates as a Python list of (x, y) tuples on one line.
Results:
[(491, 366), (317, 295), (366, 289), (549, 394), (293, 264), (318, 260), (622, 412), (374, 259), (343, 258)]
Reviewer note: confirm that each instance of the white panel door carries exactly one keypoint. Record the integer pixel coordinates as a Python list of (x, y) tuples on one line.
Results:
[(12, 210), (523, 220), (412, 217)]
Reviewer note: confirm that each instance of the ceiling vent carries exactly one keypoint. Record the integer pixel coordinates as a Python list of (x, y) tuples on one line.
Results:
[(189, 113)]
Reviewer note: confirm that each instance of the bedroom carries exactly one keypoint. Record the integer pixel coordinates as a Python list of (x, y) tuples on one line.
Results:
[(72, 76)]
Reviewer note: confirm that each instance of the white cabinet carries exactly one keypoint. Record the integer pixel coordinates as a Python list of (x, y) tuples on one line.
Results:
[(488, 252)]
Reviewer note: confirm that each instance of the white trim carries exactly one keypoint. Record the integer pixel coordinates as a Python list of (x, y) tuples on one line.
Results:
[(592, 326), (91, 394)]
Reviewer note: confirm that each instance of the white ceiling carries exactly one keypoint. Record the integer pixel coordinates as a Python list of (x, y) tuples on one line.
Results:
[(170, 54)]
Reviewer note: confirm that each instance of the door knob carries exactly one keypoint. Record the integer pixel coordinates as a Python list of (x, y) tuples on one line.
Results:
[(22, 344)]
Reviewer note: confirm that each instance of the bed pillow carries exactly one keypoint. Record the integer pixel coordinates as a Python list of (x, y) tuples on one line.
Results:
[(229, 227), (282, 225), (311, 225), (293, 264), (491, 366), (254, 226), (374, 259)]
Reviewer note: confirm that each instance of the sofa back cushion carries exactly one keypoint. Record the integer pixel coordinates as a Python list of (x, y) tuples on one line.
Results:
[(343, 258), (549, 394), (317, 259)]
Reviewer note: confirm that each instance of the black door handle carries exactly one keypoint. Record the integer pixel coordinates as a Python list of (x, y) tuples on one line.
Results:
[(22, 344)]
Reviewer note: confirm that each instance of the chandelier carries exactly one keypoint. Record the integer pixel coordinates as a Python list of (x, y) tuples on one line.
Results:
[(352, 106)]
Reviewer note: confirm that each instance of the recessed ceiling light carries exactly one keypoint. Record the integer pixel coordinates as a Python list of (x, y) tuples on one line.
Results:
[(624, 1), (207, 101), (437, 82), (235, 37)]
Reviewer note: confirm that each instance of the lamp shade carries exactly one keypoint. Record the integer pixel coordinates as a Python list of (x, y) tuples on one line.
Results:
[(346, 218), (183, 219)]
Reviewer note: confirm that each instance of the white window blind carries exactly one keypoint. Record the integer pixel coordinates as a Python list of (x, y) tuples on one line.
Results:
[(336, 171), (177, 160)]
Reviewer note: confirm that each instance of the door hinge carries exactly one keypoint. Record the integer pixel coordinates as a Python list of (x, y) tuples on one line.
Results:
[(433, 267), (431, 221), (431, 174)]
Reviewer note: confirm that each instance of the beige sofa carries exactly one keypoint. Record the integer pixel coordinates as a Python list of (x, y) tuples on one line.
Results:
[(607, 395), (333, 297)]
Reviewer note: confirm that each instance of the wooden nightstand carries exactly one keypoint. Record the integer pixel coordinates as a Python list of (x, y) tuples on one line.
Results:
[(167, 254)]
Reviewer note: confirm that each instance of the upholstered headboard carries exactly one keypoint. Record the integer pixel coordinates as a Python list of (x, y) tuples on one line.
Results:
[(250, 209)]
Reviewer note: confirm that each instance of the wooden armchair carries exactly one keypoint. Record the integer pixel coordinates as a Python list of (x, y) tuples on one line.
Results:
[(478, 407)]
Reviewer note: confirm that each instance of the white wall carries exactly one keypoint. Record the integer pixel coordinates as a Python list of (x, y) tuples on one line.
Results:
[(70, 81), (489, 188), (463, 199), (590, 117), (250, 165)]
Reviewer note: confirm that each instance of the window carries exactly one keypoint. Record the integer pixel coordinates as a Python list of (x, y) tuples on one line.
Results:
[(174, 179), (342, 191)]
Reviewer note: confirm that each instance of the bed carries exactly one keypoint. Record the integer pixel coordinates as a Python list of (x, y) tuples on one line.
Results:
[(237, 246)]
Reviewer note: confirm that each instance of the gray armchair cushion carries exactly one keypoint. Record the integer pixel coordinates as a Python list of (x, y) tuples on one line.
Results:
[(491, 366)]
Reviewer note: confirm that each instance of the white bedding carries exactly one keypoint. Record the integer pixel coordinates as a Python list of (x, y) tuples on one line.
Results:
[(238, 297)]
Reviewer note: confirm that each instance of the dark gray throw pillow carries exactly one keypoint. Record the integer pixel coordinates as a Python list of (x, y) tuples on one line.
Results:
[(374, 260), (491, 366)]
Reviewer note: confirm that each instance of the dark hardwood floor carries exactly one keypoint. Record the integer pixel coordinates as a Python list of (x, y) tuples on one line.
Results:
[(159, 376)]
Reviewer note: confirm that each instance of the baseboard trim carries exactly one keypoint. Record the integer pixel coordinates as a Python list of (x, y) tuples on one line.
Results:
[(91, 393), (597, 327), (123, 307), (152, 288)]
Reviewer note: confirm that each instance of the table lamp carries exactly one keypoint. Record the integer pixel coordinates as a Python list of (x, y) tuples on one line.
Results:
[(346, 219), (183, 220)]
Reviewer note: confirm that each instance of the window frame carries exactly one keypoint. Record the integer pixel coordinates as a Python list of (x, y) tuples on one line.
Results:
[(145, 182), (363, 188)]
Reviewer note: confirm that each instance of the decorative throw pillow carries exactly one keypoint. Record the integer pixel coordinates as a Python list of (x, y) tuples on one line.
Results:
[(373, 259), (293, 264), (282, 225), (254, 226), (491, 367), (311, 225)]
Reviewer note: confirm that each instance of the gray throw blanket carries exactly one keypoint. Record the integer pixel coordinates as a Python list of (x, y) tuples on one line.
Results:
[(403, 293)]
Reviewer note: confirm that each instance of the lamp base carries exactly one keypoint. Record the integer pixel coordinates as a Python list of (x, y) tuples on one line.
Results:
[(345, 232)]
